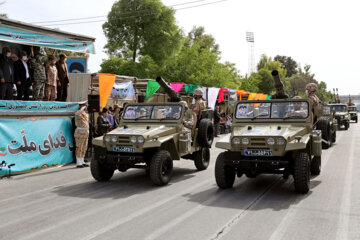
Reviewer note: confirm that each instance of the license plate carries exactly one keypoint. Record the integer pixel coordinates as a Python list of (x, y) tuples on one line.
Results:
[(124, 149), (258, 152)]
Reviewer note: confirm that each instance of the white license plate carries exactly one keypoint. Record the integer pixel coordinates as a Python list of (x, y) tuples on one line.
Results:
[(258, 152), (124, 149)]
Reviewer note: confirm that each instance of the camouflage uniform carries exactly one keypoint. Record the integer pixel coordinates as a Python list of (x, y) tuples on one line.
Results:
[(39, 79), (50, 84), (314, 100), (81, 135), (199, 104)]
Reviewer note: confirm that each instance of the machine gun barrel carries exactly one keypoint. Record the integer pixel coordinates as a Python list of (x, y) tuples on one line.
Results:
[(169, 91), (279, 86)]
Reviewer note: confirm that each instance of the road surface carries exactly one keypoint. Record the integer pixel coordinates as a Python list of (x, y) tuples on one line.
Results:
[(66, 203)]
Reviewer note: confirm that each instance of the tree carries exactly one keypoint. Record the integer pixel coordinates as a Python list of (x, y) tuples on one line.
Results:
[(288, 63), (145, 68), (142, 27), (197, 34)]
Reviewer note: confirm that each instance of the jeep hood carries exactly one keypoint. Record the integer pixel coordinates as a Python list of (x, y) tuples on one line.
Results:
[(144, 130), (283, 130)]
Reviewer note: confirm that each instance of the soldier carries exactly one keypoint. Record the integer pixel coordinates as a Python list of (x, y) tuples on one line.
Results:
[(298, 111), (81, 135), (188, 119), (199, 104), (311, 89), (51, 78), (39, 76)]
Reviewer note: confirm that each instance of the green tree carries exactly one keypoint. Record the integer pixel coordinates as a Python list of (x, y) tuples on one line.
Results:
[(288, 63), (197, 34), (142, 27), (145, 68)]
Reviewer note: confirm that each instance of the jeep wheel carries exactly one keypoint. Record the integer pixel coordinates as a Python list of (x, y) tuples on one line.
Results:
[(302, 172), (224, 175), (316, 166), (100, 172), (355, 120), (202, 159), (346, 125), (205, 133), (333, 137), (324, 125), (161, 167)]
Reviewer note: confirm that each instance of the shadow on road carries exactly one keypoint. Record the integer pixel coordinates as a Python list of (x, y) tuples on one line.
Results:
[(121, 185), (263, 192)]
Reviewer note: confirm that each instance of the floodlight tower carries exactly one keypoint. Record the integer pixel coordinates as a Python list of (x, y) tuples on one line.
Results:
[(251, 58)]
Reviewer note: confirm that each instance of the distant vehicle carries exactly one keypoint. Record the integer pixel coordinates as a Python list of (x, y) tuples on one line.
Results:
[(353, 113), (341, 114), (273, 137)]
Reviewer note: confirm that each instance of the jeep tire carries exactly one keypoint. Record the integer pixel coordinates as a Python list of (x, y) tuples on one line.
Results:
[(224, 175), (202, 158), (333, 137), (205, 133), (316, 166), (324, 125), (161, 167), (302, 172), (100, 172)]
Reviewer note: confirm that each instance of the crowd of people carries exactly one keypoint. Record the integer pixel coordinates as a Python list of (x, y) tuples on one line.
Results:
[(43, 80)]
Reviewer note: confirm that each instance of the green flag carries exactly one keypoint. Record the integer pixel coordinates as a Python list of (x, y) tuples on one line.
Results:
[(189, 88), (268, 97), (151, 89)]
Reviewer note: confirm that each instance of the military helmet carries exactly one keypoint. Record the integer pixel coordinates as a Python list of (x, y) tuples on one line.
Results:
[(185, 103), (311, 87), (198, 92)]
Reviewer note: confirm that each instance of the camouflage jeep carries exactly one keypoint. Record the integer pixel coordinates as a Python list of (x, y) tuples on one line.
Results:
[(151, 136), (270, 136), (328, 125), (353, 113), (341, 114)]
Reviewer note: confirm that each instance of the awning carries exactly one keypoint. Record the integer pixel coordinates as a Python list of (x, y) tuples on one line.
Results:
[(28, 34)]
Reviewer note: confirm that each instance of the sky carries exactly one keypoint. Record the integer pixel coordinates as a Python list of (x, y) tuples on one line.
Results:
[(323, 33)]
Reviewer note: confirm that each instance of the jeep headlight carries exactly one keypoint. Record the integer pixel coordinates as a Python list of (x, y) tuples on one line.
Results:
[(114, 139), (236, 140), (107, 138), (245, 141), (133, 139), (280, 141), (270, 141), (141, 139)]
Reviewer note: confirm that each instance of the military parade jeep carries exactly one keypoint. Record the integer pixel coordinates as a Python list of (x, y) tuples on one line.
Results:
[(341, 114), (353, 113), (151, 136), (270, 136)]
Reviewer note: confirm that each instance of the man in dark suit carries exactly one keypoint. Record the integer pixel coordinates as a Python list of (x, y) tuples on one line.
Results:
[(6, 75), (22, 77), (63, 82)]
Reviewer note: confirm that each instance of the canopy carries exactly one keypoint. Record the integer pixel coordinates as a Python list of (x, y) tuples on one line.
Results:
[(28, 34)]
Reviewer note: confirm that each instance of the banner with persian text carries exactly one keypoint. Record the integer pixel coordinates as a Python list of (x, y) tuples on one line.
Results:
[(37, 106), (35, 142)]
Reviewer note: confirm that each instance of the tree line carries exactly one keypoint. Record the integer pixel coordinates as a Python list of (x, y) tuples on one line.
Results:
[(144, 41)]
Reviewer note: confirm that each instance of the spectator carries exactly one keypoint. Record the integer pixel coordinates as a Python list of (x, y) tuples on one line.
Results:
[(110, 117), (6, 75), (117, 114), (51, 78), (22, 77), (103, 124), (217, 117), (39, 76), (63, 78)]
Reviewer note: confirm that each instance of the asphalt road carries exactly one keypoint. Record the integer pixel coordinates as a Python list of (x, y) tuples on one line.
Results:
[(67, 203)]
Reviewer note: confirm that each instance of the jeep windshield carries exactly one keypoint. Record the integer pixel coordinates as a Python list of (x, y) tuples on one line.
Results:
[(339, 108), (272, 110), (152, 112), (352, 109)]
